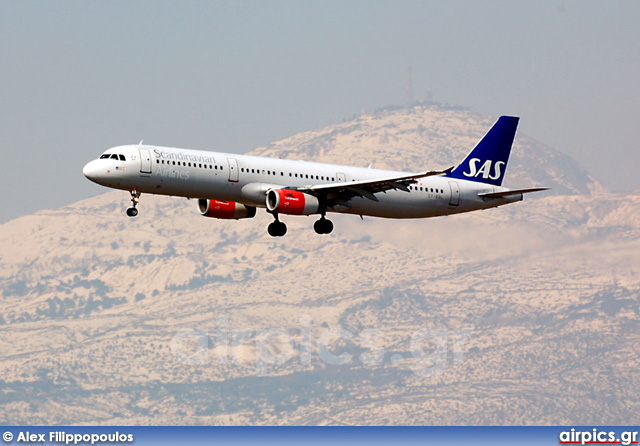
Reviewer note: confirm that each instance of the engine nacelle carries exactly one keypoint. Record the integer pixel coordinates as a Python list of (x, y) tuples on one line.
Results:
[(228, 210), (283, 201)]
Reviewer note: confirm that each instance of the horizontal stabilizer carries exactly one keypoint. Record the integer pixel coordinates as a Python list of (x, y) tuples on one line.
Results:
[(507, 193)]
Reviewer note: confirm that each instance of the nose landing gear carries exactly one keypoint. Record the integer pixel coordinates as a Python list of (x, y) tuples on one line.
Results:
[(135, 198)]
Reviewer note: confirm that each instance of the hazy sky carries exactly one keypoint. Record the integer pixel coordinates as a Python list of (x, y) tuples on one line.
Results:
[(79, 77)]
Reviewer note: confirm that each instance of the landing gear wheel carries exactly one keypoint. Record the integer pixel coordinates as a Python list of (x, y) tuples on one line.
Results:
[(272, 229), (323, 226), (277, 229), (328, 227), (135, 198)]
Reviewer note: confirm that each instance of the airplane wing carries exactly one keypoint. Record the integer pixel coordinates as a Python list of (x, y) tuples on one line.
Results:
[(340, 193), (506, 193)]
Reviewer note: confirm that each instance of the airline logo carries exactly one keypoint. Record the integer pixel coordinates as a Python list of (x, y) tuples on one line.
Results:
[(289, 197), (484, 170)]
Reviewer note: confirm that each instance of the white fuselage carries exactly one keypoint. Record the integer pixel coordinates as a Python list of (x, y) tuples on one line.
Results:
[(246, 179)]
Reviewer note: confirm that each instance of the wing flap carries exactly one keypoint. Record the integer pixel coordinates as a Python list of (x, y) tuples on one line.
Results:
[(373, 186)]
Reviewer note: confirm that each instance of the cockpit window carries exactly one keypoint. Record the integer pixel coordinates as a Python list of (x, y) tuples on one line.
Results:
[(122, 158), (105, 156), (114, 157)]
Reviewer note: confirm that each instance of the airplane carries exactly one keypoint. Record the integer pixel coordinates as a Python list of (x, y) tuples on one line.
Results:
[(232, 186)]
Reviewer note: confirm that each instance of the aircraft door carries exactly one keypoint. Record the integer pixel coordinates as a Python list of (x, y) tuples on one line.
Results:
[(145, 160), (342, 178), (455, 193), (233, 169)]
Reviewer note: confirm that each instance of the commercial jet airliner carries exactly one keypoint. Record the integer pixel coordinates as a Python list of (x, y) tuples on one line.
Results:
[(230, 186)]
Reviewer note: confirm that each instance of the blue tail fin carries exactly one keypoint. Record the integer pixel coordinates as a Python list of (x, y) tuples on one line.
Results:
[(487, 162)]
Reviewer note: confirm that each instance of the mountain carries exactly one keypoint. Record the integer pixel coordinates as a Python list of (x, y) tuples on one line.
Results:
[(525, 314), (424, 138)]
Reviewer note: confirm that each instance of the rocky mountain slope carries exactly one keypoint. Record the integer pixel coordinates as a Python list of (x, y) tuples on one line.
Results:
[(522, 314)]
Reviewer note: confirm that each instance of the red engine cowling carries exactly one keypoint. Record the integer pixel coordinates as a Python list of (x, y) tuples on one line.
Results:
[(283, 201), (227, 210)]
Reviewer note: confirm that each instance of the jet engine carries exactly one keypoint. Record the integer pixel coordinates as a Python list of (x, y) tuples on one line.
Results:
[(227, 210), (283, 201)]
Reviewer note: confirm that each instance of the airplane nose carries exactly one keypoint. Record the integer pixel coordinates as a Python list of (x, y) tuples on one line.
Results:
[(92, 171)]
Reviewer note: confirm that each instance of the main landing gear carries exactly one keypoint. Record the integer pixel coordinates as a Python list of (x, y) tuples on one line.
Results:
[(135, 198), (323, 226), (277, 228)]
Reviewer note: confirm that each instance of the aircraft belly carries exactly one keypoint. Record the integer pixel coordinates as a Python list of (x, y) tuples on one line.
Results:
[(397, 207), (185, 185)]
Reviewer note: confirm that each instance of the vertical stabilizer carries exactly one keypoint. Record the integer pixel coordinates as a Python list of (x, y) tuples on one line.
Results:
[(487, 162)]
